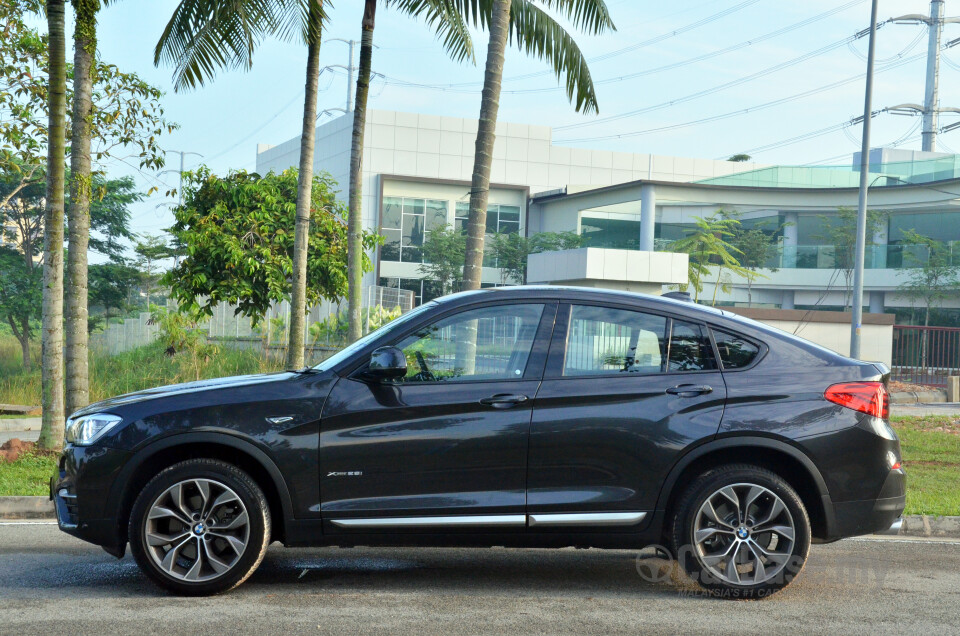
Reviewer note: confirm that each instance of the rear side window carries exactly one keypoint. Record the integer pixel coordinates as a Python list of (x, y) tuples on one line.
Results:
[(603, 340), (735, 352), (690, 348)]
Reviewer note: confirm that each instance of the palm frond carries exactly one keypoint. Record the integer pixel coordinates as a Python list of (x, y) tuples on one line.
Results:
[(444, 17), (302, 20), (589, 16)]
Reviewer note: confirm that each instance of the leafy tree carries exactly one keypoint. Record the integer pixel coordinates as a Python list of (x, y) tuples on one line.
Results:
[(149, 253), (20, 298), (511, 251), (707, 244), (840, 231), (930, 281), (536, 33), (239, 234), (443, 258), (111, 285), (740, 157), (756, 246), (450, 26)]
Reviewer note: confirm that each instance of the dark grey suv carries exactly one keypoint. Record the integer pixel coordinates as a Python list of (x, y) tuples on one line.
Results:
[(526, 417)]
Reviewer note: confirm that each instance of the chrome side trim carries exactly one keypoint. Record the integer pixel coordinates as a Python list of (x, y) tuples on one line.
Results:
[(587, 519), (428, 522)]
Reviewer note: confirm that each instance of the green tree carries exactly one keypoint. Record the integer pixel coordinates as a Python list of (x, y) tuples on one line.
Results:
[(110, 215), (443, 258), (757, 246), (840, 232), (512, 250), (931, 280), (740, 157), (239, 233), (707, 245), (450, 26), (204, 35), (111, 285), (150, 252), (538, 34), (20, 298)]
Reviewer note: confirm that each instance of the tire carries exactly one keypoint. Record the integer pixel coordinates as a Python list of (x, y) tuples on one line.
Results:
[(225, 540), (765, 558)]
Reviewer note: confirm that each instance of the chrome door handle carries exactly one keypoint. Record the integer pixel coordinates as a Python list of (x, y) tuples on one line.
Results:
[(689, 390), (503, 400)]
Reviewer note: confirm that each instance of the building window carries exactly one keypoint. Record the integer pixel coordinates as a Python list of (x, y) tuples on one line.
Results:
[(424, 290), (619, 234), (501, 219), (405, 222)]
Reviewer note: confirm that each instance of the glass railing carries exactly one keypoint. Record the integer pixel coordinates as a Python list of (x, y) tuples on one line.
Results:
[(875, 256)]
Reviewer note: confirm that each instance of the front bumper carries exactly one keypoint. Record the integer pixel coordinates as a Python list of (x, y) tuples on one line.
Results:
[(80, 489)]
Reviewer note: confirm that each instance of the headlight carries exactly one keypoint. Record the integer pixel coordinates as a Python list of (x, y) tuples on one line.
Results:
[(87, 429)]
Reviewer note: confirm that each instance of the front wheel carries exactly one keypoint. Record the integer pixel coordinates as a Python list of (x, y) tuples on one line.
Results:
[(200, 527), (741, 532)]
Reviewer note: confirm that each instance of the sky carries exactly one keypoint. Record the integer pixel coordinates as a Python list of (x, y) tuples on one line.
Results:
[(704, 45)]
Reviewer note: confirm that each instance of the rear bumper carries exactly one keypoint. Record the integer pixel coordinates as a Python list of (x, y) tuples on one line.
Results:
[(854, 518)]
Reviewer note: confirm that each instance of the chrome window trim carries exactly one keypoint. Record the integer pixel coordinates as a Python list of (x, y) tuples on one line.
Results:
[(587, 519)]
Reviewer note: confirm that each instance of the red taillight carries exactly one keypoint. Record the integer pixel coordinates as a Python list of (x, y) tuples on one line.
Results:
[(866, 397)]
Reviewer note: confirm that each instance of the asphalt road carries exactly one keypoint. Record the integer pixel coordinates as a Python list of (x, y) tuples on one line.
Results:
[(53, 584)]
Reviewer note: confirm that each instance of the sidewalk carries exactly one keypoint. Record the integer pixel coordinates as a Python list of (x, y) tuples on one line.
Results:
[(932, 408)]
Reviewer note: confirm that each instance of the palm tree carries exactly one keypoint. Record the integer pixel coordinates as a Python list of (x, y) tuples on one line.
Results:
[(78, 216), (450, 25), (536, 33), (51, 430), (204, 35)]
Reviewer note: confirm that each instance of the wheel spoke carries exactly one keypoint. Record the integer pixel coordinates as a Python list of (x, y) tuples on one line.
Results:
[(158, 539), (784, 531), (715, 559), (702, 535), (162, 512), (711, 514), (171, 557), (759, 571), (193, 574), (218, 566), (752, 494), (236, 522), (204, 487), (775, 509), (236, 544), (777, 557), (176, 494), (731, 571), (223, 498)]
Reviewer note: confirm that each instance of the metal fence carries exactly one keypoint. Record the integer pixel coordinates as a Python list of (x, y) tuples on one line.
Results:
[(925, 355)]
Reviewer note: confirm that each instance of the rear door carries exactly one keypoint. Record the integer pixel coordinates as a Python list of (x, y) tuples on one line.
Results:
[(625, 391), (450, 439)]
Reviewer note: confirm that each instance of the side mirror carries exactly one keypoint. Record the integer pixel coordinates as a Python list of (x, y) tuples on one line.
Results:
[(387, 363)]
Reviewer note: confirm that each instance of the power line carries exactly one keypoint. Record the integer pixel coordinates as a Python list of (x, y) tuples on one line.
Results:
[(744, 111)]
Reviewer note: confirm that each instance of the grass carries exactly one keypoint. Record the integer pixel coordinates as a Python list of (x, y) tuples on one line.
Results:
[(29, 475), (931, 456), (134, 370)]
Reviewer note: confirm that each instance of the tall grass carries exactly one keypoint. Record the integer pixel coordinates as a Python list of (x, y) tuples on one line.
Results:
[(134, 370)]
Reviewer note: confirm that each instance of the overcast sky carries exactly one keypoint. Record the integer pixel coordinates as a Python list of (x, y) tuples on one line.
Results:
[(225, 120)]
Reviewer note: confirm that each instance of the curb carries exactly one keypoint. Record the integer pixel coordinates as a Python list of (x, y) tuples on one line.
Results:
[(13, 508), (27, 508), (918, 397), (11, 424)]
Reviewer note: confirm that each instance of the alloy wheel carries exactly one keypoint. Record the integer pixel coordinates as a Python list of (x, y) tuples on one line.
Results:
[(744, 534), (197, 530)]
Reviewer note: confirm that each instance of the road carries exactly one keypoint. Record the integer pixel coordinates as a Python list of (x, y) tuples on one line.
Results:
[(53, 584)]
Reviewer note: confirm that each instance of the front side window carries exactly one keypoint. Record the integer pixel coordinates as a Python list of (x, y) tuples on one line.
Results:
[(602, 340), (491, 343)]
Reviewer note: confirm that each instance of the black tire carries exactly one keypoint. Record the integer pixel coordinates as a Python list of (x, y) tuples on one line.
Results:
[(691, 555), (242, 494)]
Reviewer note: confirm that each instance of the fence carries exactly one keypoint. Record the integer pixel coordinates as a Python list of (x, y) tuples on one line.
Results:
[(925, 355), (228, 328)]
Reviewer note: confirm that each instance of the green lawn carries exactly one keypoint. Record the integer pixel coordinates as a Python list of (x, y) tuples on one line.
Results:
[(931, 456), (29, 475)]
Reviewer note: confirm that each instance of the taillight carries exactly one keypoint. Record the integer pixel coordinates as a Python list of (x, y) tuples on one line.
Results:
[(866, 397)]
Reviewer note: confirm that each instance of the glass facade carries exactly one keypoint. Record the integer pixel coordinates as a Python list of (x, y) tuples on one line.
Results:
[(617, 234)]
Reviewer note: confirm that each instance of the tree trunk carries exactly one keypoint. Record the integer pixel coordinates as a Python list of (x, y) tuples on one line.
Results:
[(486, 133), (355, 215), (22, 333), (51, 429), (78, 218), (298, 300)]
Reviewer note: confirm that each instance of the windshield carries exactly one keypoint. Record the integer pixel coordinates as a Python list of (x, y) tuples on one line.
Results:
[(343, 354)]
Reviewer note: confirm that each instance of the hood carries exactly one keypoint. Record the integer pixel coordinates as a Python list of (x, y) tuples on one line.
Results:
[(186, 387)]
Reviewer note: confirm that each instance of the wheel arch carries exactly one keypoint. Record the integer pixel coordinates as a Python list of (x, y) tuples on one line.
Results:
[(152, 459), (775, 455)]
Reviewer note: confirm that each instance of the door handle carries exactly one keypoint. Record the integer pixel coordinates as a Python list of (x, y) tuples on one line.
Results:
[(689, 390), (503, 400)]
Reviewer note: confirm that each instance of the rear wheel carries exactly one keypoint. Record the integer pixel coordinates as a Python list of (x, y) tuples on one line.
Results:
[(200, 527), (741, 531)]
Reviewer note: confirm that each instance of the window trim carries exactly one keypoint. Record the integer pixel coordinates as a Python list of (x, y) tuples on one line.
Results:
[(536, 361), (558, 344)]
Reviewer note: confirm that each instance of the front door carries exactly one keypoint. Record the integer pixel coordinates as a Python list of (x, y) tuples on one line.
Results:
[(624, 392), (449, 439)]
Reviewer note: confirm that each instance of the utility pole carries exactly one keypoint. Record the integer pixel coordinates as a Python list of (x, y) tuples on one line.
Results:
[(864, 184), (182, 153), (349, 68), (931, 98)]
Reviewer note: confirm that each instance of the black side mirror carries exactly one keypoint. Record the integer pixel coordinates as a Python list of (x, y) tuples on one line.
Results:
[(387, 363)]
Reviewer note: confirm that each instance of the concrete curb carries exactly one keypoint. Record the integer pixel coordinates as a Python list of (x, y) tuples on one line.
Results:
[(13, 508), (26, 508), (8, 424), (918, 397)]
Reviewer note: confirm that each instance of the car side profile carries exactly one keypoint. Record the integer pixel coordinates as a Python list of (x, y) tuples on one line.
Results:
[(522, 417)]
